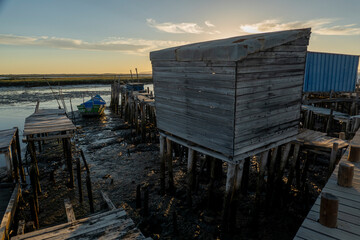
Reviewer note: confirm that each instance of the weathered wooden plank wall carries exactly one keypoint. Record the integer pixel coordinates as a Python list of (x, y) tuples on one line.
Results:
[(268, 96), (195, 101)]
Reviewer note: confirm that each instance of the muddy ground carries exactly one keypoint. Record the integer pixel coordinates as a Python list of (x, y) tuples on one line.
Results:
[(118, 163)]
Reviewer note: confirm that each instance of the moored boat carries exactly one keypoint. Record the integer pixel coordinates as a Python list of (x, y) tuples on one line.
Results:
[(94, 107)]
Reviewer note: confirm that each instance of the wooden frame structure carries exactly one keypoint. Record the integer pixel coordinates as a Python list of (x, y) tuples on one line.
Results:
[(10, 147)]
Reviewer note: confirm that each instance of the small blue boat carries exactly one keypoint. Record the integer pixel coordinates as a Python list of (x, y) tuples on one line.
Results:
[(94, 107)]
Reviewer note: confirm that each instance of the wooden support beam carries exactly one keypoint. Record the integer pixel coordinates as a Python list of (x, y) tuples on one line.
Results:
[(190, 175), (245, 176), (69, 211), (229, 189), (90, 194), (9, 166), (45, 138), (284, 159), (143, 121), (78, 172), (162, 164), (262, 164), (109, 203), (293, 162), (18, 150), (333, 155), (15, 163), (69, 162), (170, 164)]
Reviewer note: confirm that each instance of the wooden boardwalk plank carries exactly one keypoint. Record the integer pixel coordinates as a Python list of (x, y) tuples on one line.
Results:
[(47, 121), (348, 224)]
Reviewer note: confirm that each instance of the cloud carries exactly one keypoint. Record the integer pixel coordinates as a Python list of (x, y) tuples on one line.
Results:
[(319, 26), (209, 24), (127, 45), (175, 27)]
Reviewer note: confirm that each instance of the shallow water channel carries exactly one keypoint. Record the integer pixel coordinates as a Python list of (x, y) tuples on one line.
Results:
[(17, 103)]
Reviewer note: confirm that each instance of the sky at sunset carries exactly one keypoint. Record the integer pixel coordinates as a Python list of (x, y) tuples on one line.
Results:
[(114, 36)]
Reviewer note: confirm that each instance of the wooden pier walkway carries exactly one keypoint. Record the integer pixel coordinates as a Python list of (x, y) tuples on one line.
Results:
[(348, 223), (46, 121)]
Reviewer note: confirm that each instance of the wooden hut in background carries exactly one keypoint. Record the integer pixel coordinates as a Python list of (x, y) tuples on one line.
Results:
[(230, 98)]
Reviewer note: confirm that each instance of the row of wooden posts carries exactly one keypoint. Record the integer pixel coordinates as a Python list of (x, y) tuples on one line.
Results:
[(272, 163), (13, 160), (35, 179), (328, 124), (139, 114)]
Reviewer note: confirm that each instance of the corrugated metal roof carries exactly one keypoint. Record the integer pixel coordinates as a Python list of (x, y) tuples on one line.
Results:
[(326, 72), (229, 49)]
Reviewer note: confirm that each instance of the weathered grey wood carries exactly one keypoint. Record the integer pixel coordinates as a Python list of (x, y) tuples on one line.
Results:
[(191, 165), (8, 217), (333, 155), (233, 108), (348, 208), (170, 164), (162, 164), (109, 225), (69, 211), (109, 203)]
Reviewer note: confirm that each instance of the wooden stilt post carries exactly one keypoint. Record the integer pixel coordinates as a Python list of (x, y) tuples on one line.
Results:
[(236, 194), (162, 165), (138, 196), (89, 190), (333, 155), (15, 164), (34, 212), (190, 175), (136, 116), (342, 135), (284, 158), (18, 150), (230, 182), (345, 174), (146, 202), (9, 165), (293, 162), (274, 153), (143, 121), (329, 210), (354, 153), (262, 165), (211, 182), (170, 164), (69, 162), (78, 171), (245, 176)]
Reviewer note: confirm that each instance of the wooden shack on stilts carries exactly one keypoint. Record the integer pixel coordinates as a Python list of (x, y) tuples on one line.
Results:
[(231, 99)]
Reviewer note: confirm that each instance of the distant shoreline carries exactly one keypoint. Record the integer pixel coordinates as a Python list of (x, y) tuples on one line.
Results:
[(36, 80)]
